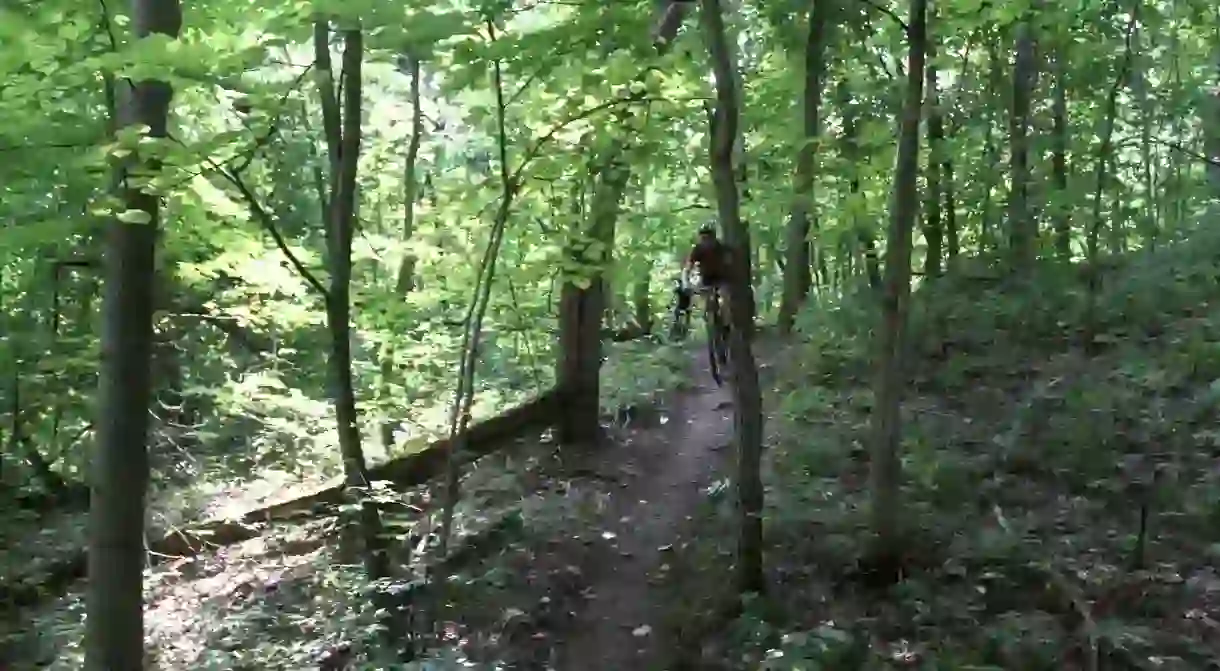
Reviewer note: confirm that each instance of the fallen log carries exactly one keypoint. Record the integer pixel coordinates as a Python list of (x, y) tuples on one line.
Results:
[(415, 469)]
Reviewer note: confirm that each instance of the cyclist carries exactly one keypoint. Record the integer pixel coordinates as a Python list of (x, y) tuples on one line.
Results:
[(683, 296), (712, 258)]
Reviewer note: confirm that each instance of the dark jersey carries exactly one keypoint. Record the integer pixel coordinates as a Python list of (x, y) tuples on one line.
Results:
[(711, 257)]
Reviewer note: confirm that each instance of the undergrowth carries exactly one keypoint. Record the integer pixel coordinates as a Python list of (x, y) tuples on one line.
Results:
[(296, 596), (1062, 507)]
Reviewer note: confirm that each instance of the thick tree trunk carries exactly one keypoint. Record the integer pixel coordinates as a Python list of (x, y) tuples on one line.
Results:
[(114, 629), (886, 470), (796, 245), (581, 307), (748, 424)]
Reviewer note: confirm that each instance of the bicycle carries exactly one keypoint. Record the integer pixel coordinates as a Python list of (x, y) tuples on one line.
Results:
[(717, 333), (679, 325)]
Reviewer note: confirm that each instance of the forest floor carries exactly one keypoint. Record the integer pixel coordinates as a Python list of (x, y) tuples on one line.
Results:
[(664, 475), (577, 573), (1030, 467)]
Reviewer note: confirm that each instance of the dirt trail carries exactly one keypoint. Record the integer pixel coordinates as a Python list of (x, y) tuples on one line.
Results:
[(665, 471)]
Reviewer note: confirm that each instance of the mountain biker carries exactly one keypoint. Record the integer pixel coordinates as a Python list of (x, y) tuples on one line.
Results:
[(712, 258), (682, 294), (680, 320)]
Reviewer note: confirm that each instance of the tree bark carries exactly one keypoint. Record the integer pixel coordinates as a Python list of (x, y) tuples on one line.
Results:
[(1105, 151), (341, 121), (1211, 128), (851, 151), (114, 630), (580, 308), (404, 283), (797, 276), (1141, 90), (953, 239), (641, 303), (933, 232), (991, 150), (1022, 227), (886, 469), (748, 420), (1059, 166)]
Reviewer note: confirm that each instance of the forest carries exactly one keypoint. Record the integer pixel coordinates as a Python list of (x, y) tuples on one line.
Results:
[(344, 335)]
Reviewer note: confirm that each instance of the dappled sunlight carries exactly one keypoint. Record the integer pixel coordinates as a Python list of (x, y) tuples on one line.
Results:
[(376, 335)]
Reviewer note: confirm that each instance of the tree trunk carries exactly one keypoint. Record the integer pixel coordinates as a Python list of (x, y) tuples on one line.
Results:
[(748, 424), (933, 232), (582, 303), (641, 301), (1141, 90), (953, 238), (796, 252), (1105, 151), (581, 307), (1022, 227), (1211, 128), (991, 150), (404, 283), (114, 628), (886, 468), (1059, 169), (343, 136), (851, 151)]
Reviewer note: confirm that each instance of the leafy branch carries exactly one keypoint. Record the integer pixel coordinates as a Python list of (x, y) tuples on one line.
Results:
[(459, 418), (1188, 152), (273, 129), (532, 152), (267, 222)]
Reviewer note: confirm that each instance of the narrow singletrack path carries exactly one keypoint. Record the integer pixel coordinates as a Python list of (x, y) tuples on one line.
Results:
[(665, 471)]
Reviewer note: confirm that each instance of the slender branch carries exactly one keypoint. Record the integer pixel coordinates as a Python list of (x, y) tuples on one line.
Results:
[(107, 26), (47, 145), (268, 223), (459, 418), (888, 12), (1186, 151), (253, 150), (532, 152), (523, 86)]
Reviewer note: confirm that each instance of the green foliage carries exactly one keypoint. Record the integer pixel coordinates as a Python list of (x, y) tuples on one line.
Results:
[(637, 372), (243, 403), (1025, 461)]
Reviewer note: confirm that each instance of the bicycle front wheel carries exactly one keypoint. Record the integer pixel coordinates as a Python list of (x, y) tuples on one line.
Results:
[(714, 352)]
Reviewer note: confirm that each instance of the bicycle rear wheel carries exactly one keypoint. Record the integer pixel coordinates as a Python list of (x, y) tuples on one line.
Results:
[(679, 325)]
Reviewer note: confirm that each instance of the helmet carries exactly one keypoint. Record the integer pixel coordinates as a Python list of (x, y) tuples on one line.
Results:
[(708, 228)]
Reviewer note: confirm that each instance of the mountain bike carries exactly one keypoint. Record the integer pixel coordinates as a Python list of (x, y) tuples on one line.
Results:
[(679, 325), (717, 333)]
